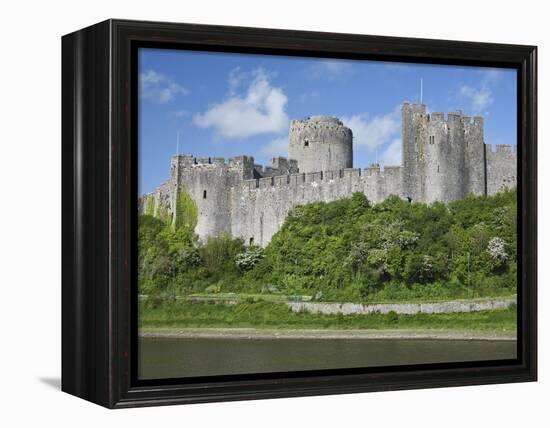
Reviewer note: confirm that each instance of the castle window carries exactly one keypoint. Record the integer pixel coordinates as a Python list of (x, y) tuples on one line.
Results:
[(438, 168), (251, 241), (204, 194), (306, 143), (432, 139)]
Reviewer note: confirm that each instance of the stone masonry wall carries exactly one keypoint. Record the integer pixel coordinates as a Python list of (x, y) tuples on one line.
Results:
[(447, 307), (474, 159), (501, 168), (260, 206)]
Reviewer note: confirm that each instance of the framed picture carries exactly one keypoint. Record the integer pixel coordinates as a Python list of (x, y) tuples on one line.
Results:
[(253, 213)]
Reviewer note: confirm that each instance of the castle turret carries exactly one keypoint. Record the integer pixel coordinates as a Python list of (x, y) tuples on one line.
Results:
[(444, 166), (320, 143), (207, 182), (443, 160), (475, 156), (414, 124)]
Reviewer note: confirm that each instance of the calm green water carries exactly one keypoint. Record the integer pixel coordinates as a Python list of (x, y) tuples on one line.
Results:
[(164, 358)]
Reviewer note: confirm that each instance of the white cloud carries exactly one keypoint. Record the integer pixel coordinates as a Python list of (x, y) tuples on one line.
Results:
[(308, 96), (260, 110), (234, 79), (181, 113), (376, 131), (159, 88), (331, 69), (277, 147), (479, 99), (392, 155), (491, 76)]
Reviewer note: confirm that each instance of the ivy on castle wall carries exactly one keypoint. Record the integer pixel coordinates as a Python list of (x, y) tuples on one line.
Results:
[(162, 213), (187, 213), (150, 207)]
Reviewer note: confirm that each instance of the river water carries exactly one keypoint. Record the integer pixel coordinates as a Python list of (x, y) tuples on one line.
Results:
[(187, 357)]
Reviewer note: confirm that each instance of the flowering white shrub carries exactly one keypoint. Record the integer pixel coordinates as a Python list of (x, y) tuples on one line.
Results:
[(427, 265), (497, 250), (249, 258)]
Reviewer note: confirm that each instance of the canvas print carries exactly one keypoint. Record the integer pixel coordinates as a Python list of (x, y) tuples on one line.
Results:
[(300, 214)]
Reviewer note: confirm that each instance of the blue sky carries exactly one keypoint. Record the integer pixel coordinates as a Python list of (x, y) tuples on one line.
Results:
[(226, 104)]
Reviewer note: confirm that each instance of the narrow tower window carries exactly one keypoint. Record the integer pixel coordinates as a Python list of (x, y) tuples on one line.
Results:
[(204, 194), (438, 168), (251, 241), (306, 143)]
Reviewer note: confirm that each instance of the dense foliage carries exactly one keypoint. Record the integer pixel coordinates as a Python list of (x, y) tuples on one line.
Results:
[(347, 250)]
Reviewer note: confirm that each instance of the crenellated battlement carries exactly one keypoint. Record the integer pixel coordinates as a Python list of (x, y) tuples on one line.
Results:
[(437, 117), (279, 165), (372, 170), (241, 160), (454, 119), (319, 178), (190, 161), (327, 122), (319, 123), (414, 107), (502, 149)]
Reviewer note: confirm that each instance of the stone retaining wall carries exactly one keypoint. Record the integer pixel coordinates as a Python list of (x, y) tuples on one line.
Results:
[(403, 308)]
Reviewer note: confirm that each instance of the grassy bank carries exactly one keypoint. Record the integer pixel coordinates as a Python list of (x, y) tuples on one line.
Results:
[(281, 298), (261, 314)]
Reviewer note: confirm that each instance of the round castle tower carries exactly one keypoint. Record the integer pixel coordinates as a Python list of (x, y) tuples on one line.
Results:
[(320, 143)]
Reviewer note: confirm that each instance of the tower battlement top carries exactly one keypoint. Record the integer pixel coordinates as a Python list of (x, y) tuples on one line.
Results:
[(321, 118)]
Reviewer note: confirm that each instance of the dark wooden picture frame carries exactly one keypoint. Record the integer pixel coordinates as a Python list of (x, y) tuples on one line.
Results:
[(99, 191)]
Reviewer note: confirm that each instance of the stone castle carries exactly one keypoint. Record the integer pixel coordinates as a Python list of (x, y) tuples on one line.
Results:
[(442, 160)]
